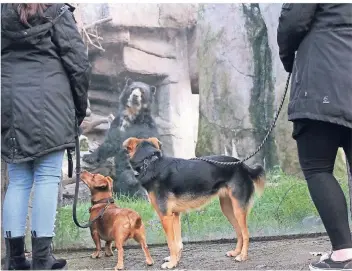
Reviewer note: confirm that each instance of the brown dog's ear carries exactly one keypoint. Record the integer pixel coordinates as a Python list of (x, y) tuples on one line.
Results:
[(110, 179), (102, 183), (156, 142)]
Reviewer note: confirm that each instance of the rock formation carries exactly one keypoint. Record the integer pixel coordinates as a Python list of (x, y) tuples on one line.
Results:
[(241, 82)]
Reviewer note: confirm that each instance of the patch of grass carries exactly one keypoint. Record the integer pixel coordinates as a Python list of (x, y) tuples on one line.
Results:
[(284, 208)]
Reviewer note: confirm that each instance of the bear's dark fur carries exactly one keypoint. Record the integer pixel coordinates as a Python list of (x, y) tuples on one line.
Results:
[(133, 119)]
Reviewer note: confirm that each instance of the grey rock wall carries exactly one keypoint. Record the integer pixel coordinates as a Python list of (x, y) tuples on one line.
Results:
[(241, 82)]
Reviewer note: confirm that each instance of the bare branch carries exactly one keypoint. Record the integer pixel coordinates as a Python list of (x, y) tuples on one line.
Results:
[(95, 36), (91, 42), (101, 21)]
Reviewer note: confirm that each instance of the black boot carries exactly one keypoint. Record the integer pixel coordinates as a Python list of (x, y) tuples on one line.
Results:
[(42, 258), (15, 258)]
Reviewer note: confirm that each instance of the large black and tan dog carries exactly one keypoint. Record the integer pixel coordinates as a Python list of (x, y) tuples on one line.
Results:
[(176, 185)]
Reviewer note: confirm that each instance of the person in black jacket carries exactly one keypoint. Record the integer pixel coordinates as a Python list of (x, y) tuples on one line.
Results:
[(315, 44), (45, 76)]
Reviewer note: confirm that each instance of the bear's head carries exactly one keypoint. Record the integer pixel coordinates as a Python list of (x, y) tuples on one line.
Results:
[(137, 96)]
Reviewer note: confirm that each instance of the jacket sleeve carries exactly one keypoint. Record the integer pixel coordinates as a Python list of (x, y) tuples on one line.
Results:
[(294, 23), (75, 60)]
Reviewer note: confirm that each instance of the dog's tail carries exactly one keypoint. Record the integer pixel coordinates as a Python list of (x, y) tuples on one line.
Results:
[(135, 223), (257, 174), (138, 223)]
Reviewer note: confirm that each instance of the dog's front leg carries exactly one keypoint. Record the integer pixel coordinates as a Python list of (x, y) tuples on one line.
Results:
[(178, 237), (168, 225), (96, 238)]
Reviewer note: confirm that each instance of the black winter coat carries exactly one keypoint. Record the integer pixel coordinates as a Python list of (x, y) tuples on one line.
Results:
[(321, 86), (45, 76)]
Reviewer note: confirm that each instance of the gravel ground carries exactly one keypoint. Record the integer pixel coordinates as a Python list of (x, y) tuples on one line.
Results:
[(287, 254)]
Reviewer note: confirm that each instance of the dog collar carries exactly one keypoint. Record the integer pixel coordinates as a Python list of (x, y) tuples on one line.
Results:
[(107, 200), (147, 162)]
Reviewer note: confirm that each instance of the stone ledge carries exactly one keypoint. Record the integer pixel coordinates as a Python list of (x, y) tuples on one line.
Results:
[(151, 46), (144, 63), (163, 15)]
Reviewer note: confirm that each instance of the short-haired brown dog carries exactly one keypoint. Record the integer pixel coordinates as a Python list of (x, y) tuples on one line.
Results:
[(112, 223)]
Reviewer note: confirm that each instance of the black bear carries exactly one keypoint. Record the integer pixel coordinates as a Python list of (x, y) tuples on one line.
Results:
[(133, 119)]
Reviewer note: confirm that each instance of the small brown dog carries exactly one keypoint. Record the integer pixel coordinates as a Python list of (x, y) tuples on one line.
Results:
[(112, 223)]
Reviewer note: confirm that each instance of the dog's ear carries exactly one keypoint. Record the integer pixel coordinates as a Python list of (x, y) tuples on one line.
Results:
[(127, 144), (102, 183), (130, 145), (156, 142), (110, 180), (153, 89)]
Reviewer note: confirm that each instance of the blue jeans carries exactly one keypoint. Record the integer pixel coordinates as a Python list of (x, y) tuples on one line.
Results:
[(45, 174)]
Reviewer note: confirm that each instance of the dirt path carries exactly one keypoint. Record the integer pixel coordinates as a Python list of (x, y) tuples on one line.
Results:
[(273, 255)]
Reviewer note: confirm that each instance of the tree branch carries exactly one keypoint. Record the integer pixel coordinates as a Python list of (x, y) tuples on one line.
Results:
[(101, 21)]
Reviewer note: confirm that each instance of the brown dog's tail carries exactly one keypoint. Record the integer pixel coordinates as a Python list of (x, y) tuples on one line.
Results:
[(138, 223), (135, 222)]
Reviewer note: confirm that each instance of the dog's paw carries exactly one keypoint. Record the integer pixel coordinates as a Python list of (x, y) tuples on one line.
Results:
[(95, 254), (233, 253), (241, 258), (109, 253), (150, 262), (168, 265), (166, 259), (119, 267)]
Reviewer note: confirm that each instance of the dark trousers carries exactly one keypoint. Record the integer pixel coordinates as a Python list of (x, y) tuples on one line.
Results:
[(318, 143)]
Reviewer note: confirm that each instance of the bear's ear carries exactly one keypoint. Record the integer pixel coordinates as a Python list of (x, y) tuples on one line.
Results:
[(153, 89), (128, 81)]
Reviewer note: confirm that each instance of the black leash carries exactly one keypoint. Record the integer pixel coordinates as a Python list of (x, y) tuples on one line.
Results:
[(78, 178), (263, 142)]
